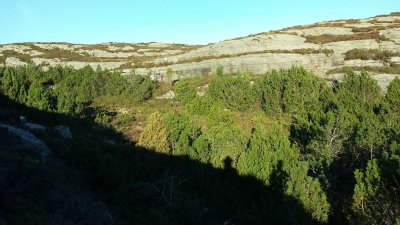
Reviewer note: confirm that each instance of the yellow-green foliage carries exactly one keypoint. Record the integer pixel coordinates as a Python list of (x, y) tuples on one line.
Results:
[(155, 134)]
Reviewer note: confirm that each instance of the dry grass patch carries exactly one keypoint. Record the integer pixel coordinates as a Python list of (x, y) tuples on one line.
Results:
[(65, 55), (11, 53), (2, 59), (334, 23), (328, 38), (370, 54), (368, 29), (392, 69)]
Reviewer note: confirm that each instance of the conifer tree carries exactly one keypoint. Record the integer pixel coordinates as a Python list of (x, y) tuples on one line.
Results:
[(155, 134)]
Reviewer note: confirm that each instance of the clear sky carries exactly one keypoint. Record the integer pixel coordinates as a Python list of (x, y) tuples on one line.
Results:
[(179, 21)]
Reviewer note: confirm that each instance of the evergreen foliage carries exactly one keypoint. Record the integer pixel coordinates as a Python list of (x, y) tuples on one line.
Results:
[(235, 92), (184, 91), (286, 146)]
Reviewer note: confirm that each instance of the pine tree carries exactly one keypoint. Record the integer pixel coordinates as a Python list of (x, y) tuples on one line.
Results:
[(181, 133), (184, 92), (270, 152), (392, 95), (267, 147)]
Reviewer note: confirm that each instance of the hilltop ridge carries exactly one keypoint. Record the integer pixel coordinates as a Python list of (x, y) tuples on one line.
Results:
[(326, 48)]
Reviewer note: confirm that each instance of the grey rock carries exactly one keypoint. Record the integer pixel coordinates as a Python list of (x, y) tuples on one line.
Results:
[(13, 61), (30, 140), (64, 132), (34, 126)]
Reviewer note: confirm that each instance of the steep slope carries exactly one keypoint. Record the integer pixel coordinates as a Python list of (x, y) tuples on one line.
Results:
[(326, 48)]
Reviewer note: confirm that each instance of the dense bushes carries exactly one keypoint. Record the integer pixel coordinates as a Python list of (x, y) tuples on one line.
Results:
[(140, 88), (236, 92), (184, 91), (376, 198), (68, 90), (290, 91), (332, 149)]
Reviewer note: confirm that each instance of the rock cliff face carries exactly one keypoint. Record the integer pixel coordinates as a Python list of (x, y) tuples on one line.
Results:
[(326, 48)]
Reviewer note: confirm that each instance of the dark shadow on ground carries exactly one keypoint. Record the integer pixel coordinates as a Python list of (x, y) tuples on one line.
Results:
[(137, 186)]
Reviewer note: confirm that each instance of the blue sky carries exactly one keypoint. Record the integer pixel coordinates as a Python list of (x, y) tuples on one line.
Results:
[(190, 21)]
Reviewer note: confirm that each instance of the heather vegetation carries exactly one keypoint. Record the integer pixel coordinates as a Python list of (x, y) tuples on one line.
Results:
[(284, 147), (328, 38), (370, 54), (392, 68)]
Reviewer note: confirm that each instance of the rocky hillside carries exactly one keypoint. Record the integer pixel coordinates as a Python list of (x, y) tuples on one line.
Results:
[(327, 48)]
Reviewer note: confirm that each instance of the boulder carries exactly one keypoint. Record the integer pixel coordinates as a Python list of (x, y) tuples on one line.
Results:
[(34, 127), (29, 140), (63, 131)]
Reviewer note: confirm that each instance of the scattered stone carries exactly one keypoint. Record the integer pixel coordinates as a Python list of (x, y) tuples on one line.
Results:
[(168, 95)]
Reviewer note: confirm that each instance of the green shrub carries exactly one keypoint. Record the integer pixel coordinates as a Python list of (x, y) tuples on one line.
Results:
[(125, 119), (290, 91), (141, 88), (392, 98), (235, 92), (270, 155), (184, 91), (375, 198), (200, 105), (182, 132)]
